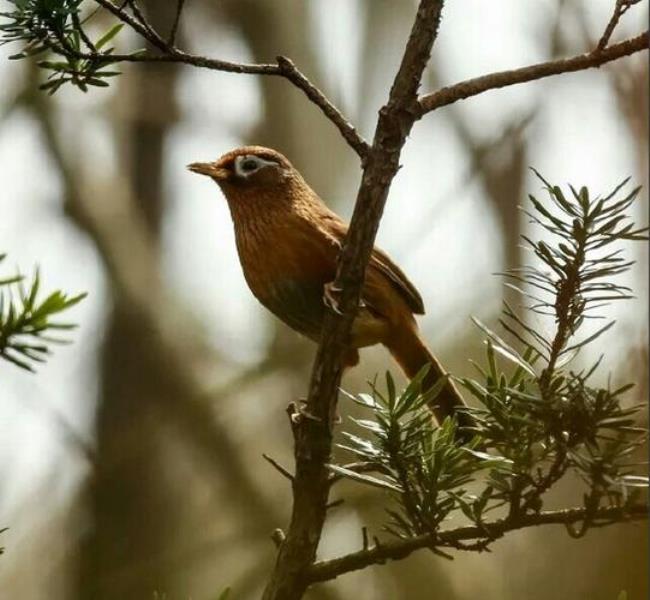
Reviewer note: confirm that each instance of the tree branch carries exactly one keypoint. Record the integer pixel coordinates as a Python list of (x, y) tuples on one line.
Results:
[(620, 8), (398, 549), (284, 68), (313, 436), (138, 23), (289, 71), (171, 54), (478, 85), (180, 4)]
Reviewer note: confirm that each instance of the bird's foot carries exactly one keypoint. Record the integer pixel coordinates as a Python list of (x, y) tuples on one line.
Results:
[(301, 414), (330, 297), (331, 294)]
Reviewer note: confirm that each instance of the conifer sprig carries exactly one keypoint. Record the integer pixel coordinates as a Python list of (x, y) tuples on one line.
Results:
[(27, 320), (538, 420)]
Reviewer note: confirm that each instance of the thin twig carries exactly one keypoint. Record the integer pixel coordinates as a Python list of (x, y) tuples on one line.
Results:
[(620, 8), (144, 30), (171, 40), (473, 87), (284, 68), (397, 549), (174, 55), (82, 33), (153, 37), (290, 72), (334, 504), (555, 473), (278, 467)]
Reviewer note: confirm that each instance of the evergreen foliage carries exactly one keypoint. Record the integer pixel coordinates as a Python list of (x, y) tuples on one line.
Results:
[(538, 419), (57, 28), (27, 320)]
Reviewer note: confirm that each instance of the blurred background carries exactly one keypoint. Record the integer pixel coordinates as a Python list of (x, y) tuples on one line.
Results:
[(131, 464)]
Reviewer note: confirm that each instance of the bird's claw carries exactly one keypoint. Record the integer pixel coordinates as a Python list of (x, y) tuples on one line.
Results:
[(329, 297), (330, 293), (301, 414)]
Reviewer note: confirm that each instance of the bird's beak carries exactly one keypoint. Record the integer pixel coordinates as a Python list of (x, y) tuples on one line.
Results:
[(209, 169)]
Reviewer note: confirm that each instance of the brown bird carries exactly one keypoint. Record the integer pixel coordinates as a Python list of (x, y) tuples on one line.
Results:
[(288, 243)]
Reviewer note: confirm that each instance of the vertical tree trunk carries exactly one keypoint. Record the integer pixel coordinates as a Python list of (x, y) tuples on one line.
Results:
[(131, 502)]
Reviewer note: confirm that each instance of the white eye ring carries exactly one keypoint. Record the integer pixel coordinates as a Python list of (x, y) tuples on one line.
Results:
[(248, 164)]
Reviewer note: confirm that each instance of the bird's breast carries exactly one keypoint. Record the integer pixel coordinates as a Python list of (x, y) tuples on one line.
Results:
[(286, 265)]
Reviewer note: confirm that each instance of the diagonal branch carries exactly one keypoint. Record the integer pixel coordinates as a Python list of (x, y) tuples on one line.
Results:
[(286, 69), (171, 54), (620, 8), (138, 23), (394, 550), (313, 436), (289, 71), (478, 85), (283, 68), (180, 4)]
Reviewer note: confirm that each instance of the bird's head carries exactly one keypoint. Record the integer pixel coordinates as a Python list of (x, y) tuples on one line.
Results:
[(248, 169)]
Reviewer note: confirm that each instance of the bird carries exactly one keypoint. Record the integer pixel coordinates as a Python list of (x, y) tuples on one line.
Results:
[(288, 242)]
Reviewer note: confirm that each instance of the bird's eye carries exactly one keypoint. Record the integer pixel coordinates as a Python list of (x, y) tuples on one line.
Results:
[(250, 164)]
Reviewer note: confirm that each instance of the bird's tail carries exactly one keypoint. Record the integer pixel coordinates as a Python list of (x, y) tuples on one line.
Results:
[(412, 354)]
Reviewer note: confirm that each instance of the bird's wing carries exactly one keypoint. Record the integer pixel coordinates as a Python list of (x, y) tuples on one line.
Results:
[(397, 277), (382, 263)]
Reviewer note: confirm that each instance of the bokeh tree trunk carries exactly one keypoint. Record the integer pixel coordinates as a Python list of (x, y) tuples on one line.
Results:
[(132, 503)]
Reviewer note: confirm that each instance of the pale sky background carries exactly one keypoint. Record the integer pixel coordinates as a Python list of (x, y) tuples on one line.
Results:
[(577, 137)]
